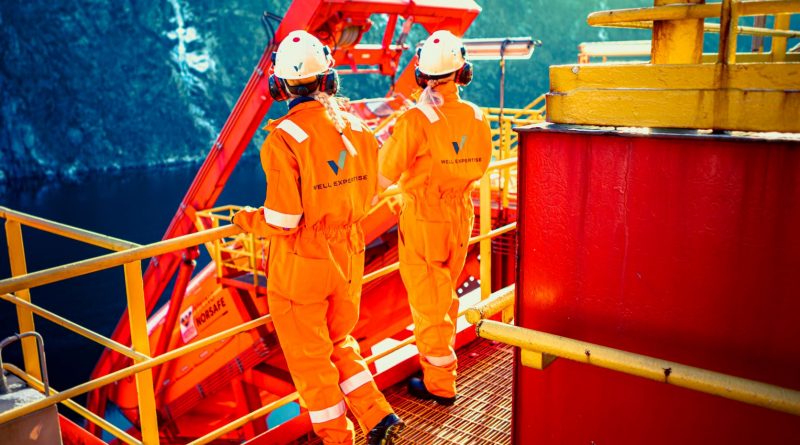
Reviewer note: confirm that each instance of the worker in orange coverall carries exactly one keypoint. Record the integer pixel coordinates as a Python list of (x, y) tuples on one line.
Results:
[(321, 169), (436, 152)]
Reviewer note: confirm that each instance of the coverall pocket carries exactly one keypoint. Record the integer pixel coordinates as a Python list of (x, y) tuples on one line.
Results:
[(310, 279), (356, 273), (435, 240)]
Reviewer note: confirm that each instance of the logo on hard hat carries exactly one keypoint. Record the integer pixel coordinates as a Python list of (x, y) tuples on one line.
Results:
[(336, 166), (298, 67), (458, 147)]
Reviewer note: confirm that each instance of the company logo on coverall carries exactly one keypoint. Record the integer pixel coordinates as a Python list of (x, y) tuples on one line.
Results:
[(336, 167), (458, 147)]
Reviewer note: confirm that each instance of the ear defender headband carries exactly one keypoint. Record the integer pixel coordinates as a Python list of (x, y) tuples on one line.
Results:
[(463, 75), (325, 82)]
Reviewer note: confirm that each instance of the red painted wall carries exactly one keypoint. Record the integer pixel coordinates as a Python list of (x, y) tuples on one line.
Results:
[(684, 248)]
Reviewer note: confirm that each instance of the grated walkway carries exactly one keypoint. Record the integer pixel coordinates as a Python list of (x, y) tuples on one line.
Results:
[(482, 414)]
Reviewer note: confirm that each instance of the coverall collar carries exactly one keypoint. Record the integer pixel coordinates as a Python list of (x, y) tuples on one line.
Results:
[(299, 100), (306, 105), (449, 91)]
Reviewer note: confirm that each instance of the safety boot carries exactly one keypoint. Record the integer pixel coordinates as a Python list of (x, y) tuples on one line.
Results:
[(385, 432), (416, 387)]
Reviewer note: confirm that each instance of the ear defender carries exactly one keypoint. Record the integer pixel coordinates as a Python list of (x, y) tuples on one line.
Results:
[(421, 79), (277, 89), (464, 74), (328, 82)]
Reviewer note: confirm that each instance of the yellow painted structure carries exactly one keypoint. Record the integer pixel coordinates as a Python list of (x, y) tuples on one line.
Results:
[(679, 88)]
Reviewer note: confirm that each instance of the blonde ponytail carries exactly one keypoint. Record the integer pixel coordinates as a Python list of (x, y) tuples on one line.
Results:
[(429, 95), (333, 107)]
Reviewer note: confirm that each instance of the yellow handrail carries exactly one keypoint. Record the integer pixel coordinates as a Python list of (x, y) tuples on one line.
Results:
[(86, 236), (76, 328), (130, 370), (47, 276), (498, 301), (689, 11), (702, 380)]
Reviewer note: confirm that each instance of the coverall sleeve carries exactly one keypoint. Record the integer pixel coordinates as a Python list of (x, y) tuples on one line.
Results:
[(283, 206), (399, 151)]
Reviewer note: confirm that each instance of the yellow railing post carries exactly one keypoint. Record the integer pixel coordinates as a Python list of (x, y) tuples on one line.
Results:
[(677, 41), (485, 227), (779, 43), (16, 256), (144, 380), (728, 28)]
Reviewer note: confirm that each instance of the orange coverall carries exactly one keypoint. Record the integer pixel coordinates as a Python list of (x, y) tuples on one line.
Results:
[(436, 153), (316, 195)]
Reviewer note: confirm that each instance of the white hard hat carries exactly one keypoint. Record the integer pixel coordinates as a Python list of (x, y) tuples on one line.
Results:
[(301, 55), (442, 53)]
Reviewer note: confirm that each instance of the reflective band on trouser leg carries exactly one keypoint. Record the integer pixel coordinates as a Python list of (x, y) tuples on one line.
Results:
[(356, 381), (441, 361), (329, 413)]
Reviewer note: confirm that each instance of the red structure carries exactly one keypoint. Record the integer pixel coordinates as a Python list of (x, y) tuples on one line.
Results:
[(681, 246)]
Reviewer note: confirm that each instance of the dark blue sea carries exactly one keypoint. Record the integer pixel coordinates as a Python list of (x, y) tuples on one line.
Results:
[(136, 206)]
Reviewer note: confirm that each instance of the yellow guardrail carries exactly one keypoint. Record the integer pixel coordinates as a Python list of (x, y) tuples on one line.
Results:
[(128, 255), (729, 12), (16, 290), (539, 349)]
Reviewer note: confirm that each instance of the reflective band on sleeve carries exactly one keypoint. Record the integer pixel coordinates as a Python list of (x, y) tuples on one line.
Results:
[(355, 124), (441, 361), (356, 381), (330, 413), (294, 131), (429, 112), (279, 219), (478, 112)]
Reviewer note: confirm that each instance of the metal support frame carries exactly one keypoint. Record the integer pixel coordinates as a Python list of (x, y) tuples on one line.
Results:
[(40, 355)]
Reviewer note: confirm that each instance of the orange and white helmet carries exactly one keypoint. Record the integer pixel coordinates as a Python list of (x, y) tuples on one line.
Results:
[(442, 53), (301, 55)]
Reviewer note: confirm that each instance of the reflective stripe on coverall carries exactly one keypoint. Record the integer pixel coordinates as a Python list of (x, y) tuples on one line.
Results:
[(315, 269), (436, 153)]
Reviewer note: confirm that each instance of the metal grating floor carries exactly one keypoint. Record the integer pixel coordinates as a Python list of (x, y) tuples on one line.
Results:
[(482, 414)]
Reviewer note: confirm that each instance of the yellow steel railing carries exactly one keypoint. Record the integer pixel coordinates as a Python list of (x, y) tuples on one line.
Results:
[(242, 252), (539, 349), (728, 11), (129, 255)]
